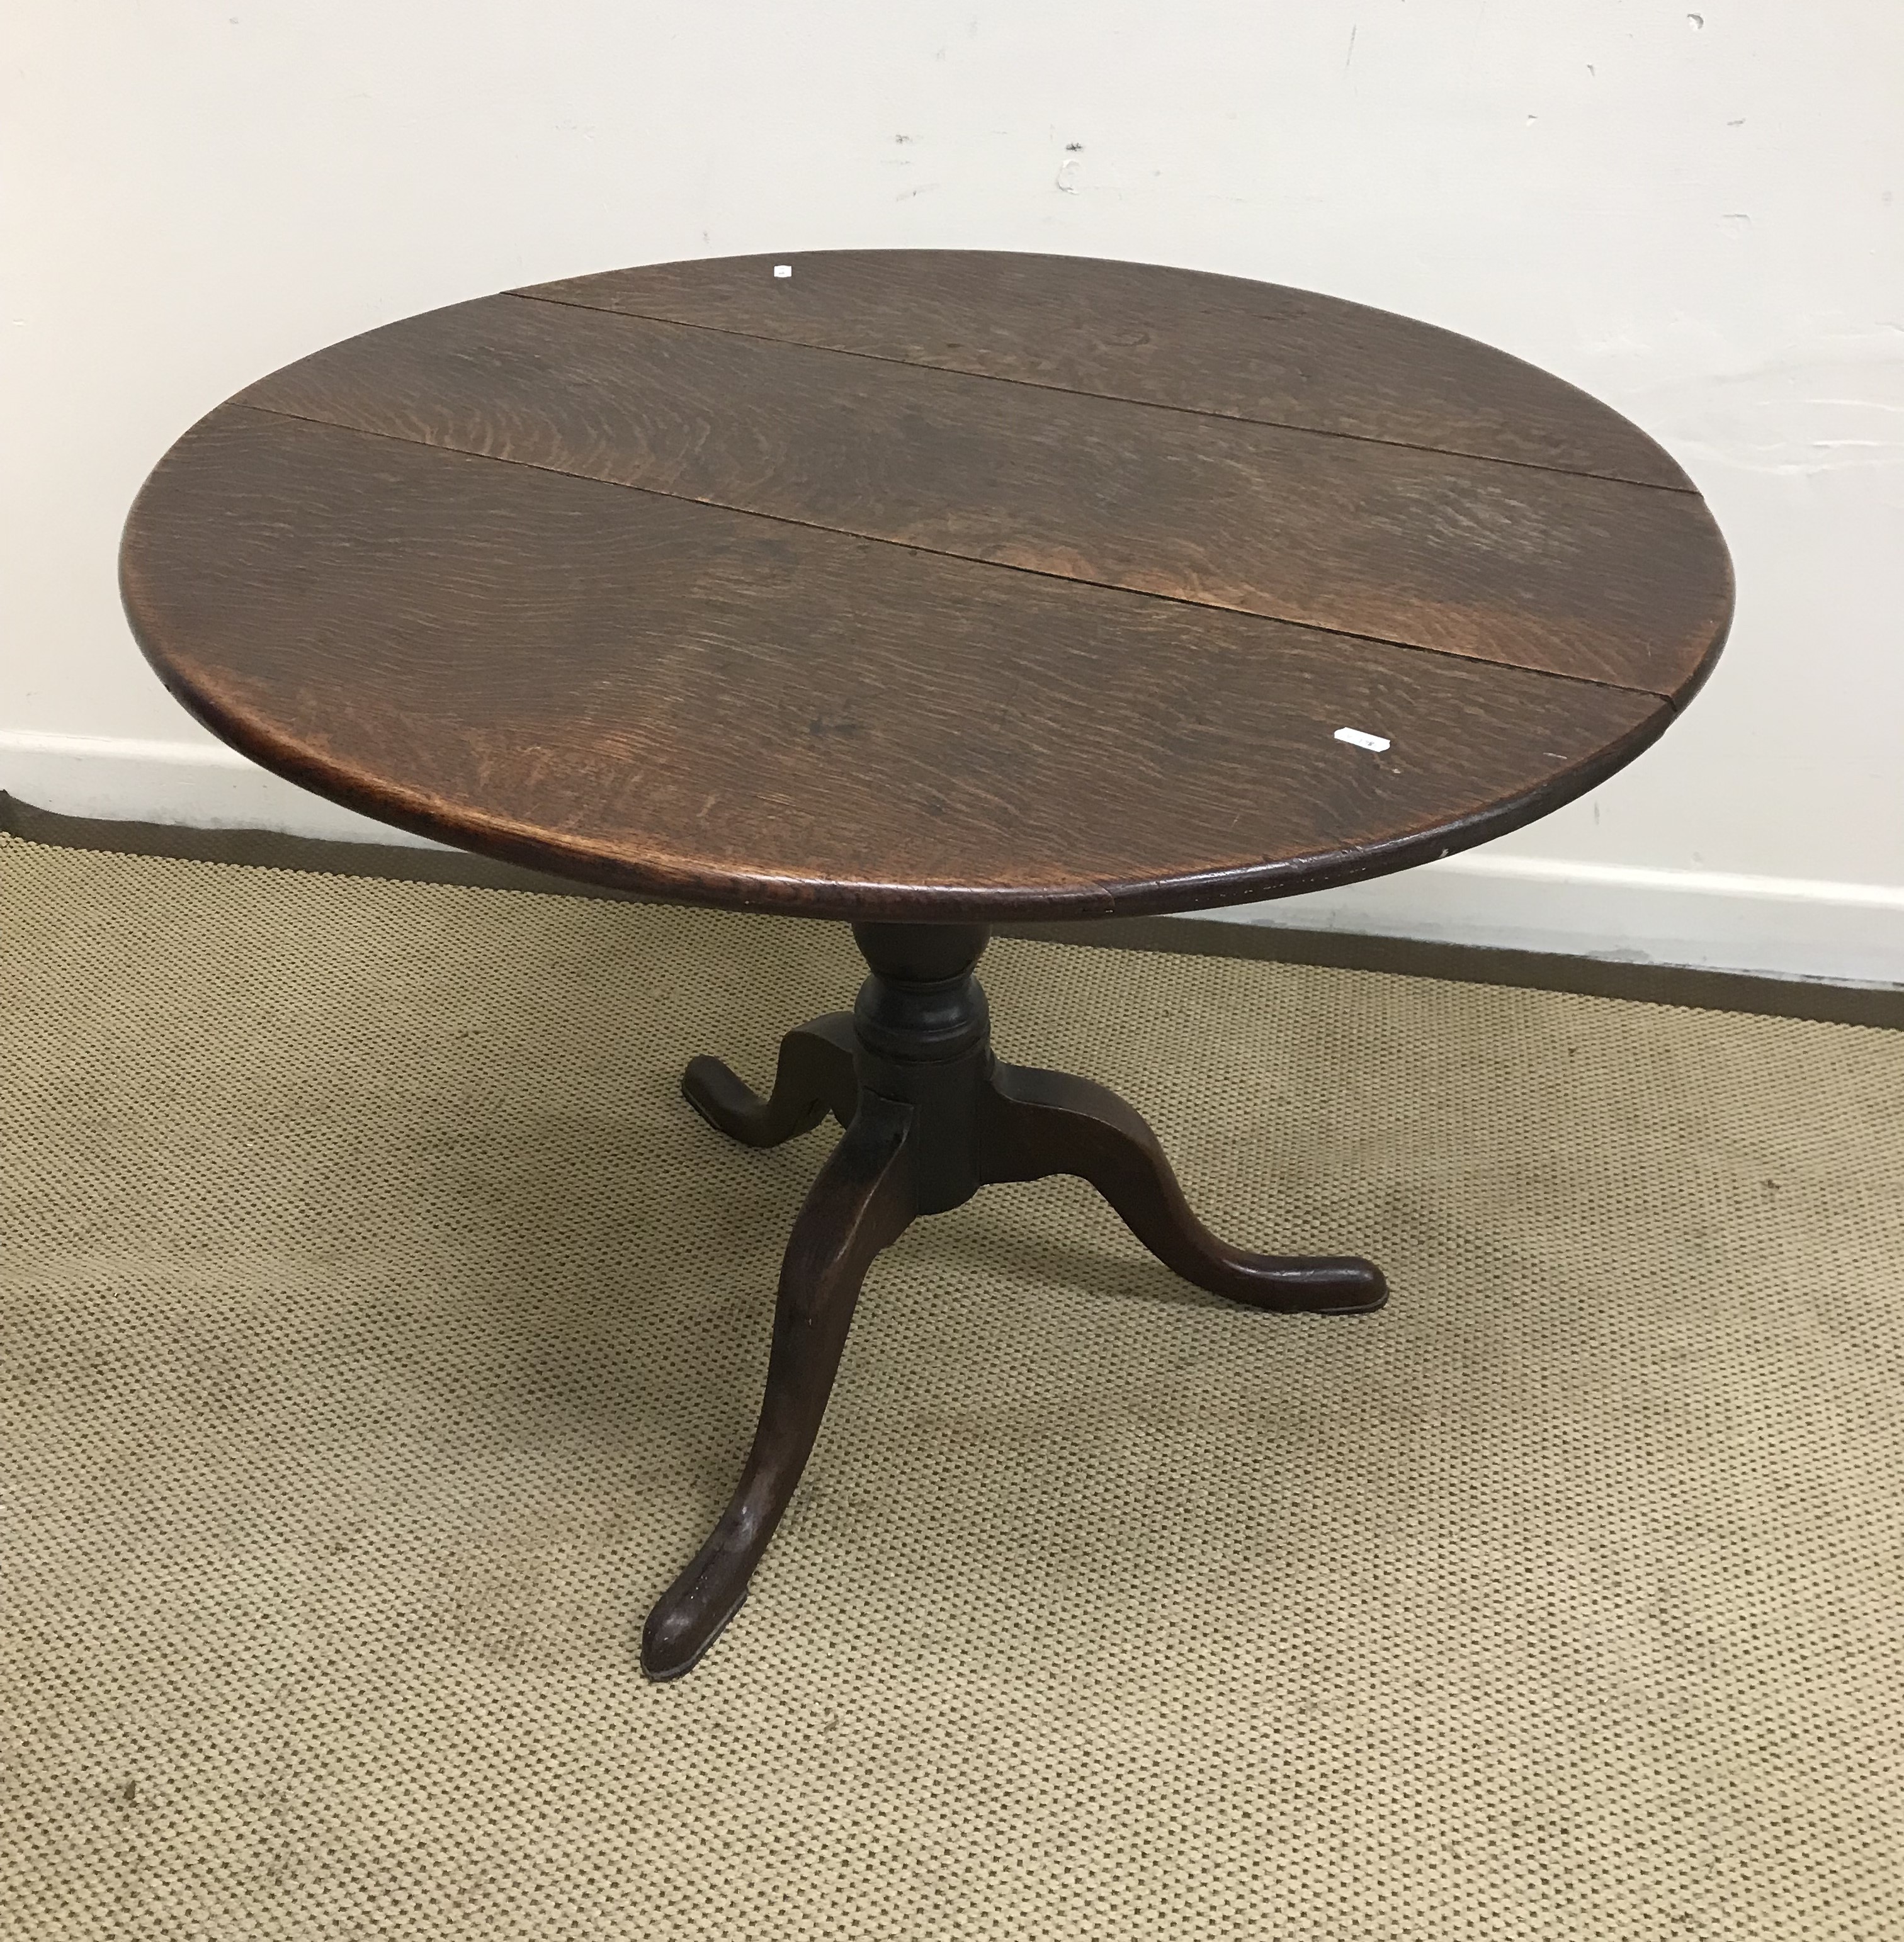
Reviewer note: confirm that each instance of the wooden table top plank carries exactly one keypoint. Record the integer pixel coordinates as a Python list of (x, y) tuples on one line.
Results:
[(1223, 345), (1511, 563), (651, 693)]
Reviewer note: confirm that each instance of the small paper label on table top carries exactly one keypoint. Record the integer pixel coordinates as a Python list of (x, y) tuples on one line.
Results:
[(1362, 738)]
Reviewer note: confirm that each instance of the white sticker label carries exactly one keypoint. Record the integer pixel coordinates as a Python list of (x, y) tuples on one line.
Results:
[(1374, 744), (783, 269)]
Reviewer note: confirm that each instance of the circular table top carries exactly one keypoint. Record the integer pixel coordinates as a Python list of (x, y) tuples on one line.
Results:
[(922, 584)]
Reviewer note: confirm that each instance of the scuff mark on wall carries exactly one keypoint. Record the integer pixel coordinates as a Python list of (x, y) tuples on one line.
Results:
[(1802, 415)]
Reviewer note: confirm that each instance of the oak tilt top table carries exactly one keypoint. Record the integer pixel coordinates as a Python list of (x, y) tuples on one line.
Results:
[(926, 590)]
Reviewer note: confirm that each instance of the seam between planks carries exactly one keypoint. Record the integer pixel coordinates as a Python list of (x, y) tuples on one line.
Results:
[(1123, 398), (936, 553)]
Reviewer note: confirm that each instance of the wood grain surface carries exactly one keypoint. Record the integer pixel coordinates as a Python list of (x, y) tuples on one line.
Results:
[(818, 620), (1511, 563), (676, 698), (1219, 344)]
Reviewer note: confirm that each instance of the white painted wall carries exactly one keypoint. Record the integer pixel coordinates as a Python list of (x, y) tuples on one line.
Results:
[(1692, 213)]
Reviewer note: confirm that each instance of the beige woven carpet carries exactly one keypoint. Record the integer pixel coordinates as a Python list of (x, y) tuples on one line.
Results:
[(381, 1331)]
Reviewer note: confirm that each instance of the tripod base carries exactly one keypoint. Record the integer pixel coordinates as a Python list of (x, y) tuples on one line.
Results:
[(931, 1116)]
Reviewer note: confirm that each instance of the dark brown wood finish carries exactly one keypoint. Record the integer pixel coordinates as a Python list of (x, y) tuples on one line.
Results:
[(667, 697), (877, 632), (862, 1201), (931, 1116), (925, 591), (1221, 345), (1511, 563)]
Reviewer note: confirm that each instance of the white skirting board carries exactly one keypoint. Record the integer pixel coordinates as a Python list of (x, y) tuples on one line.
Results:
[(202, 785), (1774, 926)]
